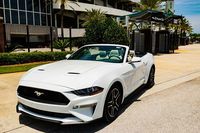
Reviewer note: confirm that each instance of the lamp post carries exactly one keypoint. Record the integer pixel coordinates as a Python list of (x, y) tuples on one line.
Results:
[(28, 38), (51, 25)]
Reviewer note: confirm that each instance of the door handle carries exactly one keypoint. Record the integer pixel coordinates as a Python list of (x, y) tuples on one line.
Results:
[(144, 63)]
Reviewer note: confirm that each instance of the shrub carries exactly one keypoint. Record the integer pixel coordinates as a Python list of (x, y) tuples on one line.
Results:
[(20, 58), (78, 42), (61, 44)]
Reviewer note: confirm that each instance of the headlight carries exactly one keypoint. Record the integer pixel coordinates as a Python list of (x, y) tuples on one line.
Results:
[(88, 91)]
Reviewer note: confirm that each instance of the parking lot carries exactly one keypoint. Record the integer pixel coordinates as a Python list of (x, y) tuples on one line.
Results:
[(172, 105)]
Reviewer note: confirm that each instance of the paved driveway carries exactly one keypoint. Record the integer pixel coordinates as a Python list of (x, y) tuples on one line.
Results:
[(163, 108)]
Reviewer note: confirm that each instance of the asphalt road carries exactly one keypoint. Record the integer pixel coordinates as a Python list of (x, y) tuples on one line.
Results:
[(172, 105)]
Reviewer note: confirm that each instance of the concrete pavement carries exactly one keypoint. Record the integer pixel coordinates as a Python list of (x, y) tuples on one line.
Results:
[(171, 70)]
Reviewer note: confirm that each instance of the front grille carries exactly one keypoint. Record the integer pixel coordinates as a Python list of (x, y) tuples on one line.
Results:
[(46, 113), (43, 96)]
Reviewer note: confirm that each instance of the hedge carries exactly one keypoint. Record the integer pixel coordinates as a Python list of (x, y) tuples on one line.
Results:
[(20, 58)]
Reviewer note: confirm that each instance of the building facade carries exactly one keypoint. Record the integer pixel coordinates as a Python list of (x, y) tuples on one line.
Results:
[(29, 22), (26, 17), (75, 13)]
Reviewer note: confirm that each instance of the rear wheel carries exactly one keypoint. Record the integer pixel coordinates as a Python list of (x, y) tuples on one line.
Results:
[(112, 104), (151, 79)]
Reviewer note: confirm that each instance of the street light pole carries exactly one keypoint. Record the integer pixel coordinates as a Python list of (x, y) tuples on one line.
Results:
[(51, 25), (28, 38)]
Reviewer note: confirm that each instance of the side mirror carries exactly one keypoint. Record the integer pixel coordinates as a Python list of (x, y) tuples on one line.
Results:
[(135, 59), (67, 56)]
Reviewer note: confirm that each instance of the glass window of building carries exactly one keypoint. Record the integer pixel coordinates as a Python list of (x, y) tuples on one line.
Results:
[(37, 19), (43, 18), (49, 20), (1, 3), (7, 14), (22, 16), (43, 6), (14, 17), (6, 3), (48, 8), (30, 18), (22, 4), (29, 5), (36, 5), (1, 12), (13, 4)]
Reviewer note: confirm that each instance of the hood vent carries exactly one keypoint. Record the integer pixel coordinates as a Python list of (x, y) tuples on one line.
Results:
[(73, 73), (40, 69)]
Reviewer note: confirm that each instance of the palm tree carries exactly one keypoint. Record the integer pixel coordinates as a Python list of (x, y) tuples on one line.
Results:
[(94, 15), (62, 9), (149, 4), (63, 4), (185, 26)]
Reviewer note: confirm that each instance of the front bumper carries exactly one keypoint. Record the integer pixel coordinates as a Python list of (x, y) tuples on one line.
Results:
[(79, 110), (69, 120)]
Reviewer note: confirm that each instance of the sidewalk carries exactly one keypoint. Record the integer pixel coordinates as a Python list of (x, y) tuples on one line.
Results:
[(174, 69)]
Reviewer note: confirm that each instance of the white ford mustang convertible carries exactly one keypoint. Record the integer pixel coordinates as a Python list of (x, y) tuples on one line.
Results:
[(90, 84)]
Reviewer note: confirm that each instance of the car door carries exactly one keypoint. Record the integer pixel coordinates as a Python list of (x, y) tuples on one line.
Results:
[(133, 75), (138, 77)]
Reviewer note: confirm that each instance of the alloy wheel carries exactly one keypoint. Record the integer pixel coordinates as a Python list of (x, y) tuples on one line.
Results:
[(112, 104)]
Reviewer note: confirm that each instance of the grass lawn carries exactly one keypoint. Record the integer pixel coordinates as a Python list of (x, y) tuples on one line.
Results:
[(19, 67)]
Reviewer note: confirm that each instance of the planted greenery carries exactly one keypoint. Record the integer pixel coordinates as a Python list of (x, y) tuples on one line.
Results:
[(114, 33), (61, 44), (102, 29), (20, 58), (95, 26), (20, 67)]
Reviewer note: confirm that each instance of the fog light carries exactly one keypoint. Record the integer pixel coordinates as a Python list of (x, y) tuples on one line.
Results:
[(84, 106)]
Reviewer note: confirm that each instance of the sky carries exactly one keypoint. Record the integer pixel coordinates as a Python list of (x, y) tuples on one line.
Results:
[(191, 10)]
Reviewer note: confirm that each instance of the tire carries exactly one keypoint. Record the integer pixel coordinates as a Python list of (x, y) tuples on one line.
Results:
[(151, 79), (112, 104)]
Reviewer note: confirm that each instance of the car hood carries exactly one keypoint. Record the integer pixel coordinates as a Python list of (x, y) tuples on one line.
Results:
[(73, 74)]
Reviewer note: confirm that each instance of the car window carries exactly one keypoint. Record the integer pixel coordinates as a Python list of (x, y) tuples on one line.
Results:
[(113, 54)]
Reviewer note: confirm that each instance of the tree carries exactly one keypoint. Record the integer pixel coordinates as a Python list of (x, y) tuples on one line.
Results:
[(115, 33), (100, 29), (95, 26), (149, 4), (63, 3), (62, 9), (185, 26)]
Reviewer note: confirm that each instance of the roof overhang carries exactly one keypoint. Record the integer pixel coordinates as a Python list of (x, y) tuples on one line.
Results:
[(153, 15), (84, 7)]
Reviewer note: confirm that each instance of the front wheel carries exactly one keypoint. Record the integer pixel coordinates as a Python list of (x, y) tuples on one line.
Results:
[(151, 79), (112, 104)]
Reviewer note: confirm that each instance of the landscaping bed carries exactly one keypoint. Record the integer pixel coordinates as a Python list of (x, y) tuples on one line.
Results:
[(21, 58), (20, 67)]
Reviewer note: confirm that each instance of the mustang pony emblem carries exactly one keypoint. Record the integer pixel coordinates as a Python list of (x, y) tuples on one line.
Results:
[(38, 93)]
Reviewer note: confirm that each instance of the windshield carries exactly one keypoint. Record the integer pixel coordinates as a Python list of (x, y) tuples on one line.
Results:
[(113, 54)]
